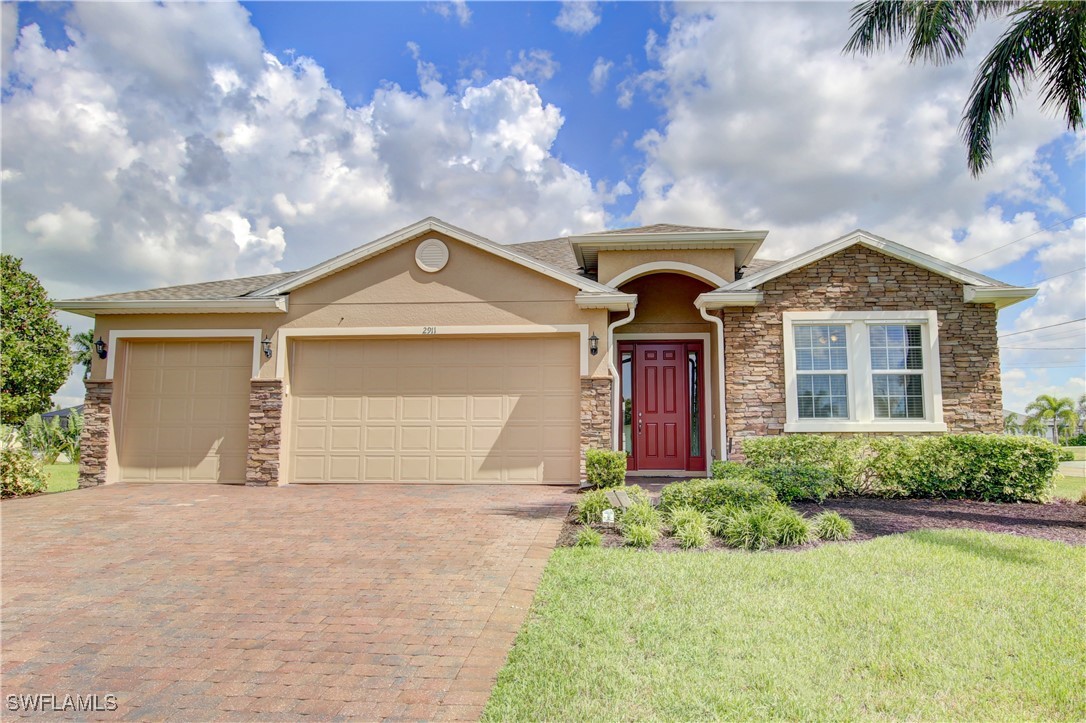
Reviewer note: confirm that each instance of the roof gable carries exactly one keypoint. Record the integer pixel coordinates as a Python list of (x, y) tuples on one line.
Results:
[(870, 240), (430, 224)]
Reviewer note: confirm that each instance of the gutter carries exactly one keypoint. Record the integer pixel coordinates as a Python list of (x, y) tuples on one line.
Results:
[(616, 388), (246, 305)]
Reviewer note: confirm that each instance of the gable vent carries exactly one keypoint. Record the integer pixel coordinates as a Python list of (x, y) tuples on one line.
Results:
[(432, 255)]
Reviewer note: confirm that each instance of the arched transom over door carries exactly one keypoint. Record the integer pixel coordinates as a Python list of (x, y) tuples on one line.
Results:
[(446, 410)]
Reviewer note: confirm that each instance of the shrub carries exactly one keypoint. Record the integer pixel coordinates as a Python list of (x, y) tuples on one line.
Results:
[(20, 473), (588, 537), (605, 467), (843, 457), (726, 470), (708, 494), (591, 506), (693, 536), (719, 518), (790, 528), (1082, 498), (690, 527), (1079, 440), (640, 535), (798, 482), (641, 514), (987, 467), (1067, 455), (832, 527), (751, 529), (592, 503)]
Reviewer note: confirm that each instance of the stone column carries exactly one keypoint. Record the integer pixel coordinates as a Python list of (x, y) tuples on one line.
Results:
[(595, 416), (265, 432), (94, 443)]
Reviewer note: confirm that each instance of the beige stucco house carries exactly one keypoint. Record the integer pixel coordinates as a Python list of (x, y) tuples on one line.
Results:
[(435, 355)]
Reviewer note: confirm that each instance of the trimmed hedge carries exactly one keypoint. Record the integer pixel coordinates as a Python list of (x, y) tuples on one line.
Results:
[(705, 495), (798, 482), (986, 467), (728, 470), (605, 467)]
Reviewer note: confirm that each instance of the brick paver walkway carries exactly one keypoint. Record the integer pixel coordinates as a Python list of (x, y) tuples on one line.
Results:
[(202, 602)]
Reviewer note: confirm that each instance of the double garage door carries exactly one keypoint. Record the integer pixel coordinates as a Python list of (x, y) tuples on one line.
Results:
[(490, 410)]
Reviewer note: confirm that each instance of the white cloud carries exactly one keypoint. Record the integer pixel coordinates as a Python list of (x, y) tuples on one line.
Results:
[(535, 65), (230, 162), (9, 21), (578, 17), (601, 71), (456, 9)]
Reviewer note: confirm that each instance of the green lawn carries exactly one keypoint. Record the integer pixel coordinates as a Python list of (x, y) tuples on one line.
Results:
[(62, 477), (1080, 452), (1069, 486), (929, 626)]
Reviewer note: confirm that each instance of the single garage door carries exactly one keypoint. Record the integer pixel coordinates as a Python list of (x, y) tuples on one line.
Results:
[(492, 410), (184, 411)]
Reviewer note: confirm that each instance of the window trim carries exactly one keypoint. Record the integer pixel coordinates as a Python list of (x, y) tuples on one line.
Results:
[(860, 385)]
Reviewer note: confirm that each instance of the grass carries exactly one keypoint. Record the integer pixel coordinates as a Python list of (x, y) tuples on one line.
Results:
[(62, 477), (1079, 452), (929, 625), (1068, 486)]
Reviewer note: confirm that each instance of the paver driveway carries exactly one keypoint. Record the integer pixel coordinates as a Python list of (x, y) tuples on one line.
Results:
[(202, 602)]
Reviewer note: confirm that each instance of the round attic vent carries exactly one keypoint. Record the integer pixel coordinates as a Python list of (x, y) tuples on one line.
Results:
[(432, 255)]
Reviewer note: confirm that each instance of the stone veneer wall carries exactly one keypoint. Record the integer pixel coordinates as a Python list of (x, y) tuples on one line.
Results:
[(860, 279), (265, 432), (94, 443), (595, 416)]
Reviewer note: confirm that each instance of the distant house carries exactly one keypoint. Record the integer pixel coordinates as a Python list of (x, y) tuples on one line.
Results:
[(62, 415)]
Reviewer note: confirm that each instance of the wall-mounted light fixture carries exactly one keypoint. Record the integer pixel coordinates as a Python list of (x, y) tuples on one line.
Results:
[(100, 348), (594, 345), (266, 345)]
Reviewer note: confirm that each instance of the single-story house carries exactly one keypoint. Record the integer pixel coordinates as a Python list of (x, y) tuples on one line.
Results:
[(435, 355)]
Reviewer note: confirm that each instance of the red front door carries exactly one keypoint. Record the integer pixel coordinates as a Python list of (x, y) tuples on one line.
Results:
[(660, 417)]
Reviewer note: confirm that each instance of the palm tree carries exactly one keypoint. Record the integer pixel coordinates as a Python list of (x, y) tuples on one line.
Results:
[(1060, 413), (1034, 426), (1011, 424), (1081, 411), (83, 343), (1046, 39)]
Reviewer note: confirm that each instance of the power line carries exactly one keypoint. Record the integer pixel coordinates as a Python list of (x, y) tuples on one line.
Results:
[(1056, 276), (1047, 228), (1043, 366), (1046, 348), (1049, 326)]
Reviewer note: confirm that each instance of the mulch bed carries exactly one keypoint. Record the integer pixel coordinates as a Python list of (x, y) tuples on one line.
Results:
[(1057, 521)]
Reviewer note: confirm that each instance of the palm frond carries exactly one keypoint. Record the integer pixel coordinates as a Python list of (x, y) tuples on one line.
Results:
[(1047, 39), (878, 25), (940, 29)]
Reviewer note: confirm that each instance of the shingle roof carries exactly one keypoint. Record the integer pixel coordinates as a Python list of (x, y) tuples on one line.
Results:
[(757, 265), (225, 289), (660, 228), (556, 251)]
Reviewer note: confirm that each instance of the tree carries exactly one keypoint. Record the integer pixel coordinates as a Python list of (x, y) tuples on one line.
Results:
[(1034, 426), (82, 345), (1011, 424), (1046, 39), (1059, 413), (35, 358), (1081, 411)]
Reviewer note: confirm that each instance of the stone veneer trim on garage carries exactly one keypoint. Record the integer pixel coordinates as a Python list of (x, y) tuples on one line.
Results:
[(94, 442), (860, 279), (595, 416), (265, 432)]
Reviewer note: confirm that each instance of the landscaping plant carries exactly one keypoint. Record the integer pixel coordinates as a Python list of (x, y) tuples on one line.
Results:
[(20, 473), (843, 457), (832, 527), (641, 514), (640, 535), (751, 529), (605, 467), (721, 469), (790, 528), (798, 482), (708, 494), (690, 527), (588, 537), (591, 506)]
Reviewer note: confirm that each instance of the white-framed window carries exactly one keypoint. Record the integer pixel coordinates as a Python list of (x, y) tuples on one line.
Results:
[(862, 371)]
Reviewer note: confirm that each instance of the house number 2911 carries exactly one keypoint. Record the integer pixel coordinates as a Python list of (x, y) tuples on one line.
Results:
[(429, 330)]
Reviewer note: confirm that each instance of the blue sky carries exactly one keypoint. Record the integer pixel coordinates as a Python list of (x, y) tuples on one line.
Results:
[(147, 145)]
